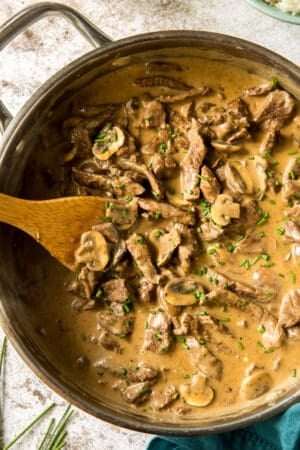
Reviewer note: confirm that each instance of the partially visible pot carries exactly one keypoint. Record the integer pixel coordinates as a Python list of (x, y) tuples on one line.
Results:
[(18, 143)]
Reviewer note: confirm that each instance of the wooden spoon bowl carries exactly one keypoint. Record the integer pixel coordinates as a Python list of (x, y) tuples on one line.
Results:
[(56, 224)]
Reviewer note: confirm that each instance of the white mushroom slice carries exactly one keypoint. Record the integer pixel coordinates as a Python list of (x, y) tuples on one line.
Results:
[(93, 251), (183, 292), (255, 385), (197, 393), (257, 170), (238, 178), (223, 146), (224, 209), (108, 142)]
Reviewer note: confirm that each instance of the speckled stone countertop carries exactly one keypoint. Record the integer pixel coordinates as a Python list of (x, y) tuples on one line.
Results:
[(24, 65)]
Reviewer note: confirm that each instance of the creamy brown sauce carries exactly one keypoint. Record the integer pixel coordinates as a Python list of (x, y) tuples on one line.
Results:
[(239, 347)]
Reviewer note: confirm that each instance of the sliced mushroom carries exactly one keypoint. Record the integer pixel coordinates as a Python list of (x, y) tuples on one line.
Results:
[(197, 393), (183, 291), (93, 251), (108, 142), (255, 385), (223, 146), (224, 209), (238, 178), (164, 244)]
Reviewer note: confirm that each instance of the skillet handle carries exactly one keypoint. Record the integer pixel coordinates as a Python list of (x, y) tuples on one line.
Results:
[(14, 26)]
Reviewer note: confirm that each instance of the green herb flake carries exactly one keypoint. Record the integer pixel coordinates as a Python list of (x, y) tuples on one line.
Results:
[(83, 337), (260, 344), (294, 373), (292, 175), (260, 329), (224, 319), (280, 230), (202, 271), (269, 350), (186, 376), (240, 345), (202, 341), (246, 264), (202, 313), (230, 247), (123, 371), (293, 277)]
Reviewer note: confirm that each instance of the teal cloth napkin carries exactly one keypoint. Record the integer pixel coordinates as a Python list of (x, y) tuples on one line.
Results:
[(282, 432)]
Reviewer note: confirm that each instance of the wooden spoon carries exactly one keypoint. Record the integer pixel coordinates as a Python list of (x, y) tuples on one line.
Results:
[(56, 224)]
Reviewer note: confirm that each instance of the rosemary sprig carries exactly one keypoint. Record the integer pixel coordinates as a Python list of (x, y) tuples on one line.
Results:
[(2, 352), (29, 426)]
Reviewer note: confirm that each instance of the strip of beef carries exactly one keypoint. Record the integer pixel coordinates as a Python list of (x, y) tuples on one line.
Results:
[(188, 247), (167, 211), (259, 90), (85, 284), (192, 162), (266, 281), (141, 168), (119, 325), (233, 285), (158, 332), (161, 399), (186, 324), (151, 115), (270, 139), (277, 107), (291, 179), (273, 335), (163, 166), (292, 231), (121, 213), (115, 290), (120, 187), (289, 312), (294, 214), (194, 92), (249, 212), (294, 332), (139, 250), (209, 185), (82, 144), (138, 372), (162, 66), (208, 231), (166, 244), (146, 291), (108, 230), (137, 393), (251, 243), (162, 81), (203, 360), (109, 342)]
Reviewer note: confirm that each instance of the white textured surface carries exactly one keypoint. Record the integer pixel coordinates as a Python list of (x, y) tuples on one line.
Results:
[(25, 64)]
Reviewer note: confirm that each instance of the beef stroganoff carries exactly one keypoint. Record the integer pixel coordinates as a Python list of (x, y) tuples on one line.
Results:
[(186, 298)]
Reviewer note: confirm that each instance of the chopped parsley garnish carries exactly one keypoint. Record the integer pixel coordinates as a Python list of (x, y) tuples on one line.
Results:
[(260, 329)]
